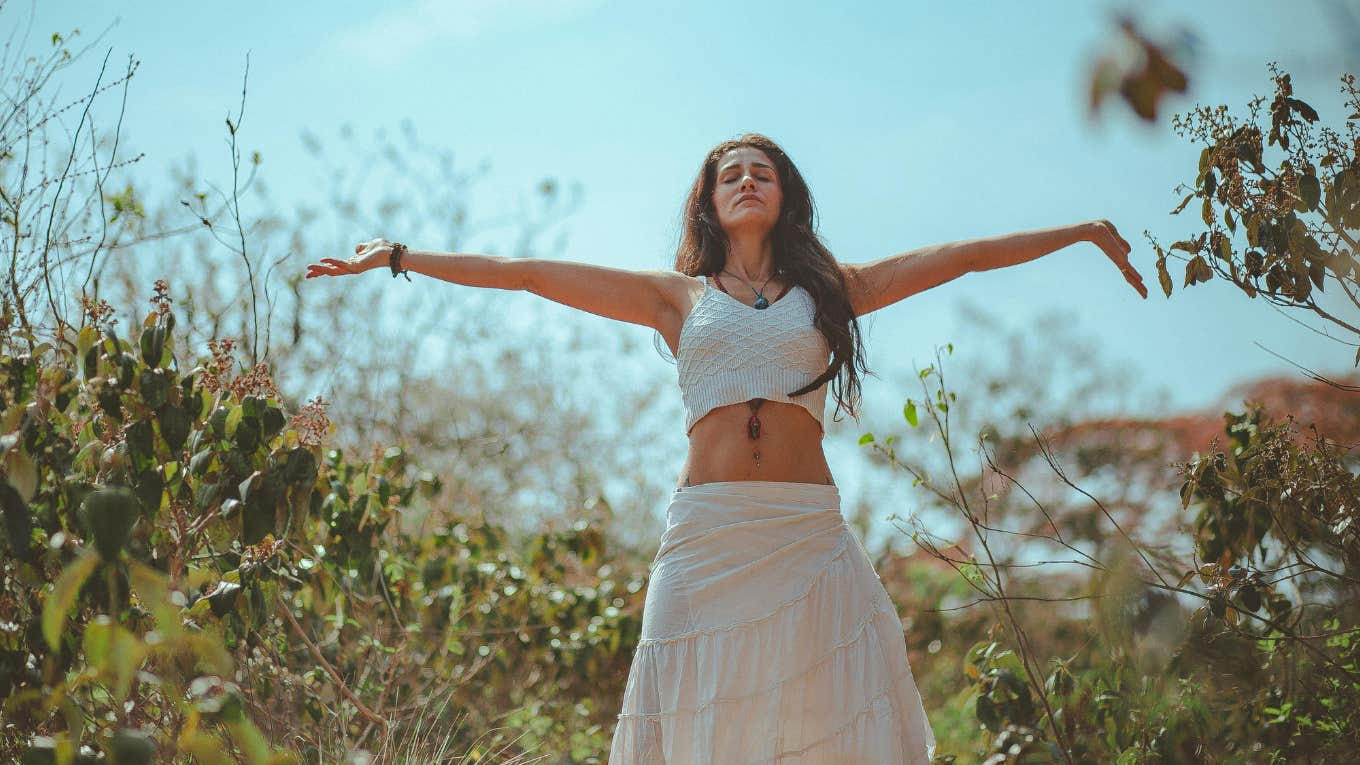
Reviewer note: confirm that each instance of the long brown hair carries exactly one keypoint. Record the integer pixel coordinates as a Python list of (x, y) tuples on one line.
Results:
[(798, 251)]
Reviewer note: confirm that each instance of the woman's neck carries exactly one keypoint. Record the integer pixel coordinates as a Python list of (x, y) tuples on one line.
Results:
[(750, 256)]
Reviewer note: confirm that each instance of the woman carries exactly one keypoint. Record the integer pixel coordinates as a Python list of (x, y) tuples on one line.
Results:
[(767, 636)]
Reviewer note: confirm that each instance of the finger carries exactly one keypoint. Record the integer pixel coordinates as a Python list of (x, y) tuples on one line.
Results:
[(1136, 279), (336, 263), (319, 270)]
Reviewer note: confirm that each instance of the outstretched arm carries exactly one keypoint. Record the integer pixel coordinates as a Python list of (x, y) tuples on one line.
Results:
[(884, 282), (638, 297)]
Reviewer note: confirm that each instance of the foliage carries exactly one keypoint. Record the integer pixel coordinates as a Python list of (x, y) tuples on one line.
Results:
[(1142, 72), (189, 566), (53, 219), (1277, 537), (1250, 655), (1280, 223)]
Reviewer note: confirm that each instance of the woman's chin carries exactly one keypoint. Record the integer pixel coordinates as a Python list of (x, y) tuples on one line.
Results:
[(746, 224)]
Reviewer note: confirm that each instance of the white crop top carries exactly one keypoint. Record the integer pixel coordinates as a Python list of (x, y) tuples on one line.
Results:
[(730, 352)]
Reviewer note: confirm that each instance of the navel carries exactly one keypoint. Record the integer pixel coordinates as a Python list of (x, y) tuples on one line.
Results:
[(753, 428)]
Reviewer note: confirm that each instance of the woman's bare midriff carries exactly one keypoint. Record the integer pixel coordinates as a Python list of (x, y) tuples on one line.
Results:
[(788, 448)]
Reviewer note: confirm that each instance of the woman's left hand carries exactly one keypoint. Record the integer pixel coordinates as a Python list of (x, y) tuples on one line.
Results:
[(1104, 235)]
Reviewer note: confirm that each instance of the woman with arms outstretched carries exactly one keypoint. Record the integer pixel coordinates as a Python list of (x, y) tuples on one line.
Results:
[(767, 636)]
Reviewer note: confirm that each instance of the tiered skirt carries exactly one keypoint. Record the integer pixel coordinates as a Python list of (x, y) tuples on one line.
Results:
[(767, 637)]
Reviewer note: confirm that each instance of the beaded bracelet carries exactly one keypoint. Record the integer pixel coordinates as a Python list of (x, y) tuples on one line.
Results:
[(394, 260)]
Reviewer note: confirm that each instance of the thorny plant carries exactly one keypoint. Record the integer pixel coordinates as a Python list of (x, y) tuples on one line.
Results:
[(1305, 500)]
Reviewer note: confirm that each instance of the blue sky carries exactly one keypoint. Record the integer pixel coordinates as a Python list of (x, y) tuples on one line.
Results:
[(914, 123)]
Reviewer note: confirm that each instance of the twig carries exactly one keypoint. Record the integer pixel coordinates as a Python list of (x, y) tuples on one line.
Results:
[(364, 711)]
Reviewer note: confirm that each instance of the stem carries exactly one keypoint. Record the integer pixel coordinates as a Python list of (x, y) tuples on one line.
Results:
[(364, 711)]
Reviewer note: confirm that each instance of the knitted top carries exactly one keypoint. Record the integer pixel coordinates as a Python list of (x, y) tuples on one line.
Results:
[(730, 352)]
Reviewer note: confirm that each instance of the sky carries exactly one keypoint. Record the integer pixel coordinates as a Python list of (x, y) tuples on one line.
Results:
[(914, 123)]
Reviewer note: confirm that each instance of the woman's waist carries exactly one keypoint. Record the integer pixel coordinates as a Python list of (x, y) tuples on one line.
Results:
[(781, 425), (720, 514), (786, 497), (733, 459)]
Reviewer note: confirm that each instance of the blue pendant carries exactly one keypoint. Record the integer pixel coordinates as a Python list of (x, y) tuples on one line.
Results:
[(761, 303)]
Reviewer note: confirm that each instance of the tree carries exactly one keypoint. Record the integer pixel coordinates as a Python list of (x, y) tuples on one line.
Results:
[(1281, 223), (55, 205)]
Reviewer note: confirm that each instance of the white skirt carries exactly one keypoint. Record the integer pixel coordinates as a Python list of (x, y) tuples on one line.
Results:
[(767, 637)]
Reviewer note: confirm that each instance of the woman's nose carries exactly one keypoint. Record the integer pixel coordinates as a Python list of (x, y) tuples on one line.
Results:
[(747, 182)]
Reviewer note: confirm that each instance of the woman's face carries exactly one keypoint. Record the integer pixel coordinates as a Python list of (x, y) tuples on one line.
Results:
[(746, 193)]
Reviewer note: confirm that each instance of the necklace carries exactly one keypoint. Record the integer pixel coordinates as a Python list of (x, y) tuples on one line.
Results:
[(761, 302)]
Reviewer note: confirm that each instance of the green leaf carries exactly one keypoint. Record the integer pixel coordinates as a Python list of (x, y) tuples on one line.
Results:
[(1311, 191), (110, 512), (233, 420), (1318, 273), (152, 346), (223, 597), (154, 385), (273, 421), (150, 488), (1307, 112), (18, 521), (1223, 248), (86, 340), (1183, 203), (64, 594), (201, 462), (124, 658), (132, 747), (153, 592), (252, 406), (96, 641), (866, 438), (204, 748), (1197, 270), (43, 750), (300, 468), (909, 411), (1164, 276), (22, 472), (217, 421), (175, 424)]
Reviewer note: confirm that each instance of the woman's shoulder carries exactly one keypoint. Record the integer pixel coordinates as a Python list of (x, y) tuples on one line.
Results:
[(680, 291)]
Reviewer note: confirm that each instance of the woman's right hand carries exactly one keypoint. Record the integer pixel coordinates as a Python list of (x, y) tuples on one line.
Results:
[(367, 256)]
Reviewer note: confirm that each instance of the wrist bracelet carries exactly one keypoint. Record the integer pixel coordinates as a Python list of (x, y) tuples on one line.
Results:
[(394, 260)]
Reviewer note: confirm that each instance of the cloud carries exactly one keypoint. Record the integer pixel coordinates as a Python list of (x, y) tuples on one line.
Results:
[(387, 39)]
